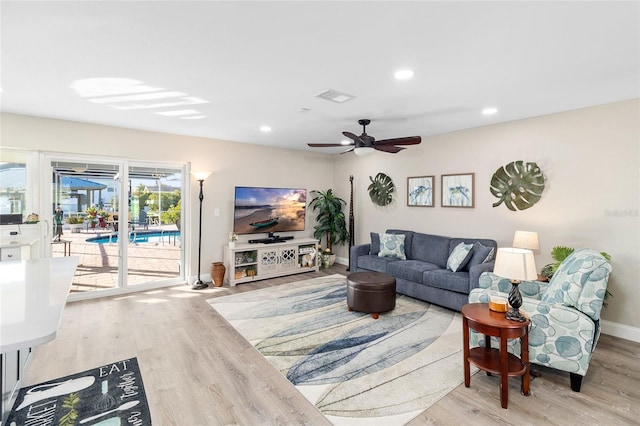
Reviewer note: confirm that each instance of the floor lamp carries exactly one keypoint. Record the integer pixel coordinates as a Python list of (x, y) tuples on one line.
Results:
[(200, 177)]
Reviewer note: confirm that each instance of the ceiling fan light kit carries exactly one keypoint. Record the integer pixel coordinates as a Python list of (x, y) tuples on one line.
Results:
[(363, 151), (364, 144)]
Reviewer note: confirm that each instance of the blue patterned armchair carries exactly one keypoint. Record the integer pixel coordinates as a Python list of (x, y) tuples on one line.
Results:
[(565, 313)]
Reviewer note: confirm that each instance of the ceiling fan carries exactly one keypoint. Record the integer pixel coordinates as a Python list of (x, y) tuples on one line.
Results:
[(364, 144)]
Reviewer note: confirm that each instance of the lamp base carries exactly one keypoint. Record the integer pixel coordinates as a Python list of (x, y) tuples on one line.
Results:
[(515, 315), (199, 285)]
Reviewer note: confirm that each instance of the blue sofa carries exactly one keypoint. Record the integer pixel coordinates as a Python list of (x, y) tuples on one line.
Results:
[(424, 274)]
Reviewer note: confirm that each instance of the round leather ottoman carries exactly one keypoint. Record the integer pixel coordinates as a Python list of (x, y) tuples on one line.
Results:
[(371, 292)]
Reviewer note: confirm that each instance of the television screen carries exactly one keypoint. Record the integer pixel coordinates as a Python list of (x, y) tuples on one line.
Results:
[(263, 210)]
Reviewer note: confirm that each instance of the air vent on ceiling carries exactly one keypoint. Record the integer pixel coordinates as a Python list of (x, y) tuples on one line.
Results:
[(335, 96)]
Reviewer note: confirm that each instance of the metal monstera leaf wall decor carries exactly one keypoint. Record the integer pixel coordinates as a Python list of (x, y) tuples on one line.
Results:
[(381, 189), (518, 185)]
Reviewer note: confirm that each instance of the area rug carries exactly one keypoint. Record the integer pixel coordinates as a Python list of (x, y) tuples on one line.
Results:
[(109, 395), (354, 369)]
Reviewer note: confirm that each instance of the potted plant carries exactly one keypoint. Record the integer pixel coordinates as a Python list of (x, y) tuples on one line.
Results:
[(75, 223), (92, 215), (560, 253), (332, 224), (233, 237)]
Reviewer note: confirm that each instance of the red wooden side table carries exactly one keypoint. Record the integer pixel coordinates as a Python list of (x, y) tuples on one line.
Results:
[(480, 318)]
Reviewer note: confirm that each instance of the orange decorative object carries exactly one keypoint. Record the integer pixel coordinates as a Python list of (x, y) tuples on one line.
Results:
[(498, 304)]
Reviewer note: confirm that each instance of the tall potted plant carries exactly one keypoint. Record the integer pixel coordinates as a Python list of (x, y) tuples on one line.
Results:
[(332, 224)]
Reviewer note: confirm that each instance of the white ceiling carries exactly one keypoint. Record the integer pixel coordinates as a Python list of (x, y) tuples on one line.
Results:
[(247, 64)]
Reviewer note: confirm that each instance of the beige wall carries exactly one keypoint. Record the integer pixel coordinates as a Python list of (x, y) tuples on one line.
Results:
[(591, 159)]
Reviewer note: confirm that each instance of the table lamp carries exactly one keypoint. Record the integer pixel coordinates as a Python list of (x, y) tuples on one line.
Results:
[(516, 264), (526, 240)]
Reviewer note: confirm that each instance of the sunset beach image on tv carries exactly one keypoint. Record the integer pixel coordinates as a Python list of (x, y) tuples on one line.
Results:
[(263, 210)]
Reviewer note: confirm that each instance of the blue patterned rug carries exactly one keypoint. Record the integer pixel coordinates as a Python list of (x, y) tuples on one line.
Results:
[(353, 368)]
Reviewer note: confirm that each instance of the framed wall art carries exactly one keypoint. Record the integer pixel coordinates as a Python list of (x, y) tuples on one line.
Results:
[(458, 190), (420, 191)]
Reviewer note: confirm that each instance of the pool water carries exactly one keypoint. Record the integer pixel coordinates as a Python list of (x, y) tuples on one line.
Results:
[(142, 237)]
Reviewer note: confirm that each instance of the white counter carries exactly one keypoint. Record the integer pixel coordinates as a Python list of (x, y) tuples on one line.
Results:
[(16, 241), (32, 296)]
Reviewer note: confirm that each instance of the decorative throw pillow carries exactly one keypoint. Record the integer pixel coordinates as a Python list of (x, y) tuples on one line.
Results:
[(375, 243), (480, 254), (392, 245), (459, 257)]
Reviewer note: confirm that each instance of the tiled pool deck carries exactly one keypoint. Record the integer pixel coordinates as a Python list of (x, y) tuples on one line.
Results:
[(98, 265)]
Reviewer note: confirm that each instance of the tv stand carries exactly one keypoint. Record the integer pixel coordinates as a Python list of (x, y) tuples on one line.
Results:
[(262, 260)]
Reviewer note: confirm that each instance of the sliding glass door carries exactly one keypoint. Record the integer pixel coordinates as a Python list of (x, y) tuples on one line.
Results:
[(122, 218), (154, 242)]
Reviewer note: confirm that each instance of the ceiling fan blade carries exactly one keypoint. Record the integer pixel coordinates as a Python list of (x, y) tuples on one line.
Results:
[(409, 140), (388, 148), (351, 136), (326, 145), (349, 150)]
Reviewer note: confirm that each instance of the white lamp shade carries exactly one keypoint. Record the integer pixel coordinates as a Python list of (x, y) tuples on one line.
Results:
[(515, 264), (200, 175), (363, 151), (526, 240)]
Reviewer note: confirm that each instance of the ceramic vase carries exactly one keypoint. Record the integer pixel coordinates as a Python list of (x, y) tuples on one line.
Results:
[(217, 273)]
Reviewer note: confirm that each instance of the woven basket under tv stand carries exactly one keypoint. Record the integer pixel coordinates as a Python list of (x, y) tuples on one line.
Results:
[(251, 262)]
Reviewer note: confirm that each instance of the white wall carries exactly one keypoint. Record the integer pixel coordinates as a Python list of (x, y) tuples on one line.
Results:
[(591, 160)]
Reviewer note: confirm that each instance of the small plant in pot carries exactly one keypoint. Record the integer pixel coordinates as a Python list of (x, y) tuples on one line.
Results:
[(92, 215), (75, 223), (233, 237), (331, 221)]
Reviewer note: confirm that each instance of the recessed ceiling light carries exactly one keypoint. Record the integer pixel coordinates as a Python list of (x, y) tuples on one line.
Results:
[(403, 74), (345, 142), (265, 129), (489, 111)]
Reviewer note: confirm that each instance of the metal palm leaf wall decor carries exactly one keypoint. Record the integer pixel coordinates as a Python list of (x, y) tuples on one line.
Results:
[(381, 189), (518, 185)]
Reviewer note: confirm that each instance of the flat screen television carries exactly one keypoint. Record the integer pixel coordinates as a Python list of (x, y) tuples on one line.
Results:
[(260, 210)]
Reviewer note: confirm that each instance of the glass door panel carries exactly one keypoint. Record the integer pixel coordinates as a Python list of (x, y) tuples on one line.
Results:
[(154, 242), (85, 210)]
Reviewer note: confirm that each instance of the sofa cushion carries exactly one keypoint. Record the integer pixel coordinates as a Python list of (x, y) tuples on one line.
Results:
[(459, 257), (430, 248), (448, 280), (480, 254), (412, 270), (373, 262), (375, 243), (392, 245)]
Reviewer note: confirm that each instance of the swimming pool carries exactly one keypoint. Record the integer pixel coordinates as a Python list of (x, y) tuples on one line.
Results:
[(140, 237)]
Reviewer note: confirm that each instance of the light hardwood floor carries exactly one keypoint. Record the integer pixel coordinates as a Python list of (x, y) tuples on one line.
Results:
[(198, 371)]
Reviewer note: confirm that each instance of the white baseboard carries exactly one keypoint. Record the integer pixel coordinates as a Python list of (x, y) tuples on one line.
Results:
[(342, 261), (621, 330)]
